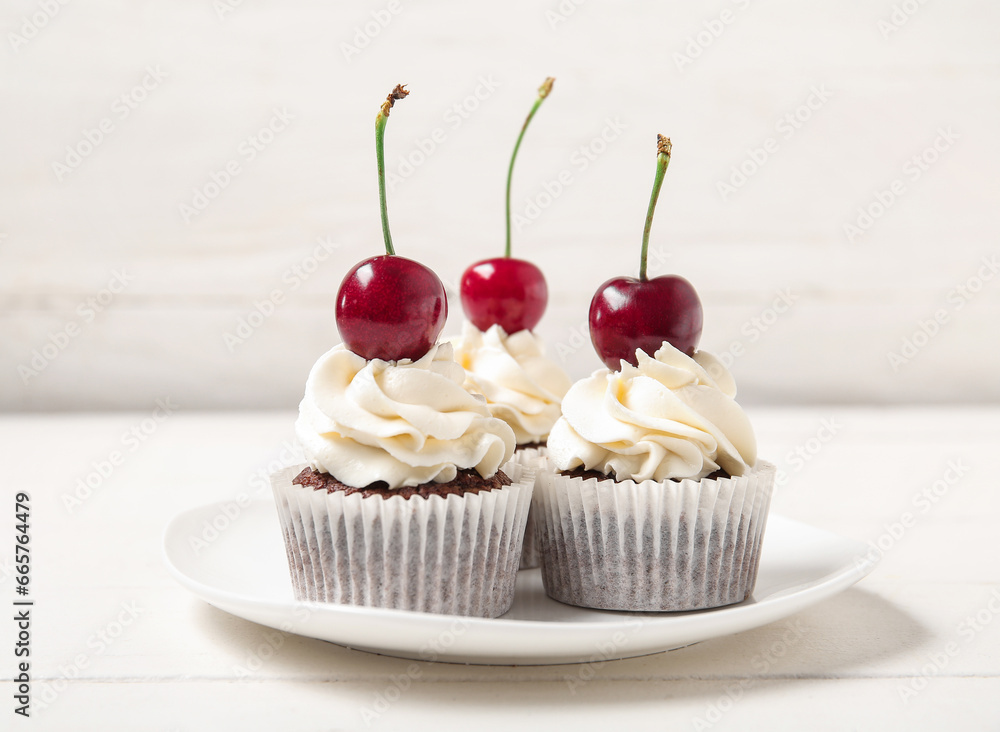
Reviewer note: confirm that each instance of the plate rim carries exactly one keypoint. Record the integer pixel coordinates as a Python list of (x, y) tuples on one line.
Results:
[(700, 624)]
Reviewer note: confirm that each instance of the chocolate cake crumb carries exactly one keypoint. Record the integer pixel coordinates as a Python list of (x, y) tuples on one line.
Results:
[(466, 481), (587, 474)]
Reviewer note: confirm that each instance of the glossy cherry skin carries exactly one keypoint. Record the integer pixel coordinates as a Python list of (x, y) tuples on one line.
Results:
[(391, 308), (505, 291), (627, 313)]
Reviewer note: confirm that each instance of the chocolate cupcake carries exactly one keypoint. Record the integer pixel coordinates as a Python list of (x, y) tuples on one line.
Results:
[(653, 499), (522, 387), (404, 503)]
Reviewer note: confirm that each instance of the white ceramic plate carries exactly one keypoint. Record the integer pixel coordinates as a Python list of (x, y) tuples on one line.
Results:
[(236, 562)]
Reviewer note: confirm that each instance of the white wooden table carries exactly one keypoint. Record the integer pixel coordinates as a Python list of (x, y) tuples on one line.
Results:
[(116, 644)]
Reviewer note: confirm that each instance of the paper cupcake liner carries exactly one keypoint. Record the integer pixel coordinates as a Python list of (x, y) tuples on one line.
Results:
[(531, 556), (672, 545), (455, 555)]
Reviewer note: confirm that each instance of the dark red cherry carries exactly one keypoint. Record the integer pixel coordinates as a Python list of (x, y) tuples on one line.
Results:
[(627, 313), (504, 291), (390, 307)]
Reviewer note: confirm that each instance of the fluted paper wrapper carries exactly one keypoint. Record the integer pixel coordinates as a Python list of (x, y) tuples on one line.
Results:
[(531, 557), (456, 555), (651, 546)]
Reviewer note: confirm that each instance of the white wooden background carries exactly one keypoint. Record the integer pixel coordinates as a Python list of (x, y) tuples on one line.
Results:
[(888, 80)]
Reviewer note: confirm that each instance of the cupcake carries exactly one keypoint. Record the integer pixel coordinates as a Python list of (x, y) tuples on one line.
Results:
[(521, 386), (408, 500), (654, 499), (504, 299)]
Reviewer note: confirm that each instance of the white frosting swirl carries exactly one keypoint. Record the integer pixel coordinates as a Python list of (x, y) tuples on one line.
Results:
[(522, 387), (672, 417), (401, 422)]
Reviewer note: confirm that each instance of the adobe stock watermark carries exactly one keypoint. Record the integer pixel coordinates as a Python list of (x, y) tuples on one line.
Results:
[(755, 327), (130, 440), (968, 629), (33, 24), (367, 32), (6, 570), (579, 161), (453, 118), (223, 8), (87, 311), (786, 126), (611, 649), (247, 151), (397, 685), (291, 280), (913, 170), (805, 452), (214, 527), (752, 329), (922, 502), (97, 644), (957, 298), (452, 288), (229, 512), (711, 31), (762, 663), (432, 650), (122, 107), (291, 453), (270, 642), (577, 338), (900, 16), (562, 12)]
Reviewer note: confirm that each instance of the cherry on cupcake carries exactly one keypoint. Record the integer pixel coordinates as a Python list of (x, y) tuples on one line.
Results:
[(390, 307), (506, 291), (628, 313)]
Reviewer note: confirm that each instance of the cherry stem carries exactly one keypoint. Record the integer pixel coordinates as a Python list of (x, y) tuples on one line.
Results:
[(543, 91), (383, 116), (663, 148)]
